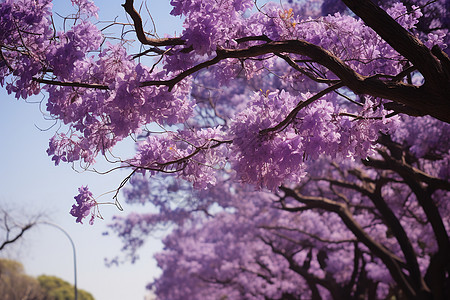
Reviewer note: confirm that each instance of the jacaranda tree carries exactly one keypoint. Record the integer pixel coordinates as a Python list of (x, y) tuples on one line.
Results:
[(301, 151)]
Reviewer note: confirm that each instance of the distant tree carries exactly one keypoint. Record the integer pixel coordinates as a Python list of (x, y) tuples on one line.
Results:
[(55, 288), (15, 284)]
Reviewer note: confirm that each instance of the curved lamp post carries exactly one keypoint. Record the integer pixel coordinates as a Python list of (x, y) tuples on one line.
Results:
[(74, 254)]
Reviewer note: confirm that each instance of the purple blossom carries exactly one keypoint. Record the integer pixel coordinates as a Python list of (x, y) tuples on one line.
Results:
[(86, 7), (85, 205)]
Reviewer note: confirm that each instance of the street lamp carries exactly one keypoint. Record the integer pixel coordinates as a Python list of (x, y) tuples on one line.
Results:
[(74, 254)]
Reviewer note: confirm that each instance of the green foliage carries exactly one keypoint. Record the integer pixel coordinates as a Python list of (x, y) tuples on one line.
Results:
[(16, 285), (57, 289)]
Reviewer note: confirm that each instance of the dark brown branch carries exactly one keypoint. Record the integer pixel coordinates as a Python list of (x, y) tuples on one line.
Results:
[(357, 255), (402, 41), (22, 231), (401, 108), (402, 238), (72, 84), (294, 46), (263, 38), (391, 261), (172, 82), (401, 167), (404, 73), (434, 102), (441, 260), (312, 280), (19, 235), (373, 192), (305, 72), (423, 195), (152, 49), (443, 57), (300, 106), (142, 37)]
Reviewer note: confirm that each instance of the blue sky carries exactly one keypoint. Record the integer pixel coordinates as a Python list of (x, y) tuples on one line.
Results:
[(30, 184)]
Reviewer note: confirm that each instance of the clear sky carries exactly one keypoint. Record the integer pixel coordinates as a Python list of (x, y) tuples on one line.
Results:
[(30, 184)]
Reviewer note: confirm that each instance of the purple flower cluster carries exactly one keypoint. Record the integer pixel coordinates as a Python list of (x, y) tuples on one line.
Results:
[(280, 156), (210, 23), (25, 32), (86, 7), (196, 161), (85, 205)]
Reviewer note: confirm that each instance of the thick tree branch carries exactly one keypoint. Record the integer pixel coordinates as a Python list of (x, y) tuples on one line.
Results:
[(434, 102), (423, 187), (142, 37), (373, 192), (303, 271), (402, 41), (399, 232), (423, 196), (72, 84), (357, 255), (391, 261)]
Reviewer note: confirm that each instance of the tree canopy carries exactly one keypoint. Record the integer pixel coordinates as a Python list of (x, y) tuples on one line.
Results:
[(55, 288), (297, 150), (16, 285)]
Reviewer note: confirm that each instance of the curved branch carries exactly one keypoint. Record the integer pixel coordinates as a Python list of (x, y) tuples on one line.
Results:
[(391, 261), (304, 71), (311, 279), (19, 235), (373, 192), (434, 183), (73, 84), (434, 102), (423, 196), (172, 82), (402, 41), (400, 235), (142, 37), (300, 106), (9, 226)]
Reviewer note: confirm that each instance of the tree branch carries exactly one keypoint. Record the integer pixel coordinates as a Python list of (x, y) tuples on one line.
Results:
[(423, 196), (142, 37), (72, 84), (300, 106), (391, 261), (18, 236), (431, 101), (402, 41), (302, 271)]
